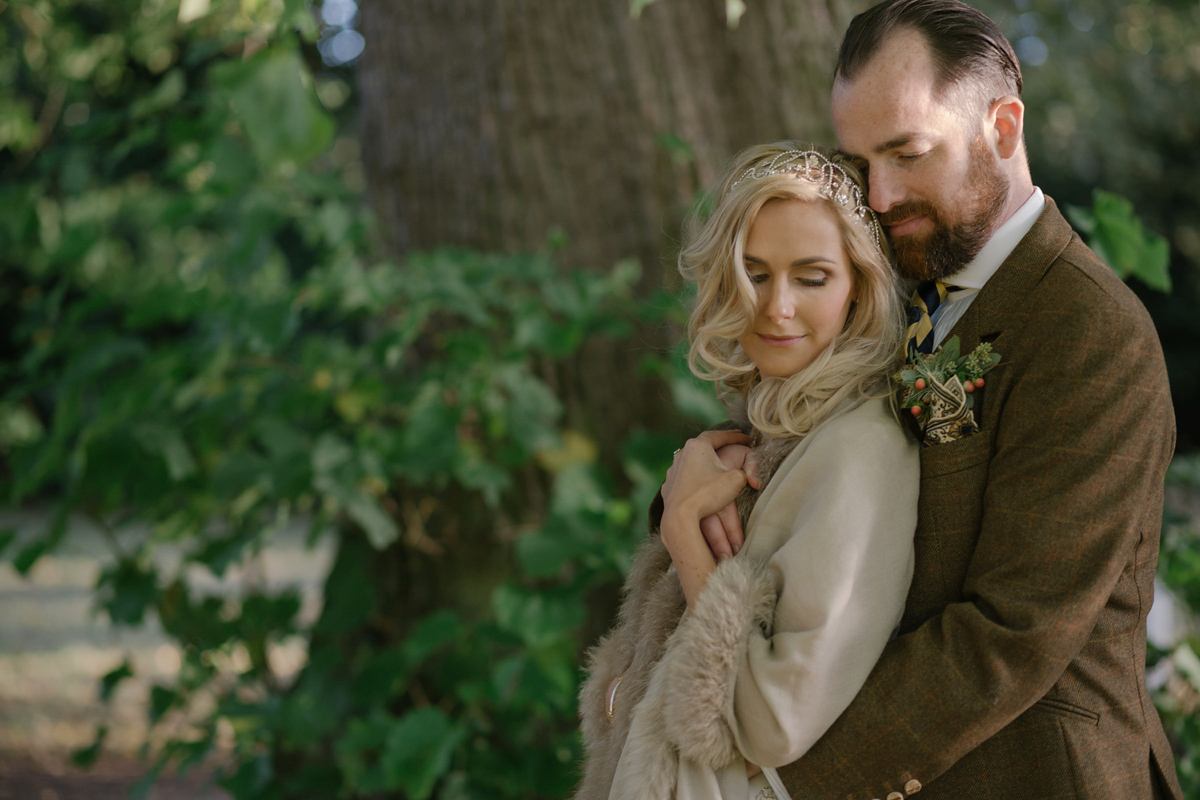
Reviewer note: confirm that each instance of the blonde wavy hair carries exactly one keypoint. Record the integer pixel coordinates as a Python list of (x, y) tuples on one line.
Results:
[(860, 359)]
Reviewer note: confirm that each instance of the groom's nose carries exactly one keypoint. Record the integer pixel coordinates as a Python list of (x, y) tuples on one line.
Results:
[(884, 190)]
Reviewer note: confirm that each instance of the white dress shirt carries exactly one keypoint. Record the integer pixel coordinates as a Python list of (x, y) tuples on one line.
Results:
[(983, 266)]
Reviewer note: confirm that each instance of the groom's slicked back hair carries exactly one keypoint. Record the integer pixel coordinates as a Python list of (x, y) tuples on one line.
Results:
[(967, 47)]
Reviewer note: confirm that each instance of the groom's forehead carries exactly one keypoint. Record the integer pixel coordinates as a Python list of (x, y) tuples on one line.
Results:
[(893, 97)]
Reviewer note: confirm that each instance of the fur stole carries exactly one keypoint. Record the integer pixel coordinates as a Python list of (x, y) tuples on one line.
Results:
[(675, 696)]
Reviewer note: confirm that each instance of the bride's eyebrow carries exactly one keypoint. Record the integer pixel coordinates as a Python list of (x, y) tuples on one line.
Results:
[(800, 262)]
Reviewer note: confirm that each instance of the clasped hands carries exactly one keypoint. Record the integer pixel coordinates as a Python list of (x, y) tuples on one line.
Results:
[(700, 524), (705, 478)]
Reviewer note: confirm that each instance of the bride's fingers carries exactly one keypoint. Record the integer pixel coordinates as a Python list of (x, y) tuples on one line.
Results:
[(718, 540), (750, 467), (731, 527), (718, 439)]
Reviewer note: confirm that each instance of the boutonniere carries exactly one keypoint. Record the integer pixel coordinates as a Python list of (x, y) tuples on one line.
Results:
[(938, 389)]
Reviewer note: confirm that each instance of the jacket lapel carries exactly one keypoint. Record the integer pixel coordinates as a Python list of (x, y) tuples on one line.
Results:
[(1005, 293)]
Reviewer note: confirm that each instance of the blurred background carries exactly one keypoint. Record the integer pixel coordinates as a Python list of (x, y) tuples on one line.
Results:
[(339, 359)]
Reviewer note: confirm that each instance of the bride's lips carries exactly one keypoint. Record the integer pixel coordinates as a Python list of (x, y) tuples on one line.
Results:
[(779, 341), (906, 227)]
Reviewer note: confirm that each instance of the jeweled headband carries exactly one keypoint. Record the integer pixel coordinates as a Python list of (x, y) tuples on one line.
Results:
[(832, 181)]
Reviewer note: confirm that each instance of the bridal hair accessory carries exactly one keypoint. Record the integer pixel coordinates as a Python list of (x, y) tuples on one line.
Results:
[(939, 387), (832, 180)]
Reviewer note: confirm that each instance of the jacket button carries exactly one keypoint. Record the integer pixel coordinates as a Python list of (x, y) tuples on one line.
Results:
[(912, 787), (895, 796)]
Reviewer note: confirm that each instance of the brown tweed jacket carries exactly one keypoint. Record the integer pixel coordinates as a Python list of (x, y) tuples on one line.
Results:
[(1019, 671)]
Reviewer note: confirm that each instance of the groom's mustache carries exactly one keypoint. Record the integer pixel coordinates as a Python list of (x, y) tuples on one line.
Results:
[(914, 208)]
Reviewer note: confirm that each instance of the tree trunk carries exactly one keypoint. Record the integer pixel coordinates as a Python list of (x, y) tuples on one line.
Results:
[(495, 124)]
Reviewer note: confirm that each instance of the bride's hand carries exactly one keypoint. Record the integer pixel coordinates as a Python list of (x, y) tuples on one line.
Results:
[(723, 530), (697, 483)]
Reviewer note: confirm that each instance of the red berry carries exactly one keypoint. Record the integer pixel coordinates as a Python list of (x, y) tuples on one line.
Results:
[(968, 387), (978, 382), (916, 411), (919, 383)]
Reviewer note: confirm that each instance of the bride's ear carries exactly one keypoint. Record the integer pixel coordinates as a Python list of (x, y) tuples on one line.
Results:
[(1006, 120)]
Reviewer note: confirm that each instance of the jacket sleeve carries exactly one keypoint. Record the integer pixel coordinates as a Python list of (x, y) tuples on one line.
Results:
[(773, 652), (1082, 442)]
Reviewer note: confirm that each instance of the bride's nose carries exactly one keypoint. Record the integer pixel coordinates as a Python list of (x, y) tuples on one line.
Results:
[(780, 305)]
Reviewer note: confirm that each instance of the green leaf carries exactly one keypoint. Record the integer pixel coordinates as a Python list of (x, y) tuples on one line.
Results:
[(430, 436), (380, 528), (126, 590), (676, 146), (271, 94), (86, 756), (542, 556), (419, 749), (1082, 218), (28, 555), (330, 453), (538, 618), (168, 442), (636, 7), (432, 633), (161, 701), (111, 679), (1117, 235), (169, 91), (7, 537)]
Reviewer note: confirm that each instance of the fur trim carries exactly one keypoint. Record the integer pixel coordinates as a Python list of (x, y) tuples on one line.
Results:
[(650, 613), (703, 658), (652, 607)]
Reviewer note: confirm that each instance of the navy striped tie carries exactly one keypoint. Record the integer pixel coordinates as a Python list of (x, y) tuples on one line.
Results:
[(921, 307)]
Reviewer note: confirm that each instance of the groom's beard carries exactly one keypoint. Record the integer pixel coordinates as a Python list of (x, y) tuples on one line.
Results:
[(954, 240)]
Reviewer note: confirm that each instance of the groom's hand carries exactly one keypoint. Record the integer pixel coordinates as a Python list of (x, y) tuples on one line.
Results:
[(723, 530)]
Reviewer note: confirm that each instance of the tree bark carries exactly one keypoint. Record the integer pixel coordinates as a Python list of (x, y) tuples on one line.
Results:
[(489, 124), (497, 124)]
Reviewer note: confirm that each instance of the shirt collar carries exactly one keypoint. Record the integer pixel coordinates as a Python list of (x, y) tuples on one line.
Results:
[(989, 258)]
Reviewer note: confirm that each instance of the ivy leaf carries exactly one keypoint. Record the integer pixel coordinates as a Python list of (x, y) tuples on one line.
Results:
[(125, 591), (1117, 235), (7, 537), (543, 556), (29, 555), (418, 751), (432, 633), (86, 756), (108, 684), (538, 618), (271, 95), (380, 528), (161, 701)]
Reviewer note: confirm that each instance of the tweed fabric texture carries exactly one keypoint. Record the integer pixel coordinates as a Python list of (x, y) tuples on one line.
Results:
[(1019, 671)]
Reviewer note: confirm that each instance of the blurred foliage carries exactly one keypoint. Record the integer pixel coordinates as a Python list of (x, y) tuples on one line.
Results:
[(200, 345), (1176, 670), (1116, 233), (1109, 94)]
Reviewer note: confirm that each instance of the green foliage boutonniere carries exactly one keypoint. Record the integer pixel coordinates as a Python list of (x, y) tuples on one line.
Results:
[(938, 389)]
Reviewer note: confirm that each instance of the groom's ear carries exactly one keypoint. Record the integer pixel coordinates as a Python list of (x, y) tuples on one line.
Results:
[(1006, 118)]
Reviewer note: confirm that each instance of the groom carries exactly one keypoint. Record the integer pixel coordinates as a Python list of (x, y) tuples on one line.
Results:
[(1018, 671)]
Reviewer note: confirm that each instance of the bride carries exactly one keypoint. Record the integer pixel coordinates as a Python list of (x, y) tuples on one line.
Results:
[(716, 672)]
